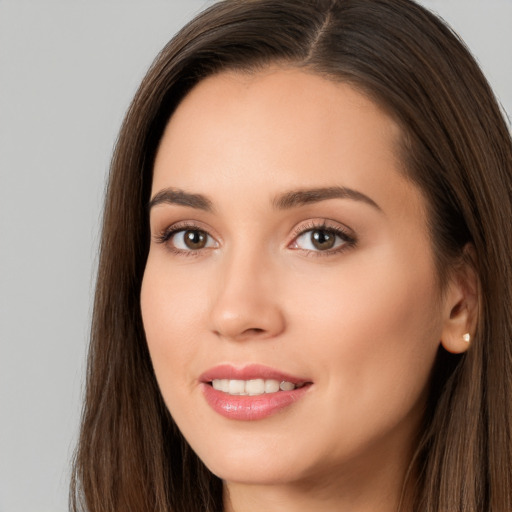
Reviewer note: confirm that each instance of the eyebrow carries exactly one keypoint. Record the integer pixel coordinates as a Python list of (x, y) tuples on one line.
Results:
[(179, 197), (303, 197), (285, 201)]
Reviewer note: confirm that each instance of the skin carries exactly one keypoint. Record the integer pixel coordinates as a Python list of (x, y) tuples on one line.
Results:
[(362, 322)]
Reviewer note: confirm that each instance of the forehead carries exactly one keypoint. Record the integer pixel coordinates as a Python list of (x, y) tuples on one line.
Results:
[(295, 102), (278, 129)]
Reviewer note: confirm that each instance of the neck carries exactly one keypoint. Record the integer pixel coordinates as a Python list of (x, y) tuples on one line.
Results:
[(360, 489)]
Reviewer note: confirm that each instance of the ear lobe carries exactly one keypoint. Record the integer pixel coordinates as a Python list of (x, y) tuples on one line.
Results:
[(457, 329), (461, 305)]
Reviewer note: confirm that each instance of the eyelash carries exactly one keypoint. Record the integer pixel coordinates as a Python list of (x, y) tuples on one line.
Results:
[(165, 236), (349, 240)]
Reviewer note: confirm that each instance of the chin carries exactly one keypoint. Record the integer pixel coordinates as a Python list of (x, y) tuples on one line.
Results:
[(261, 465), (244, 472)]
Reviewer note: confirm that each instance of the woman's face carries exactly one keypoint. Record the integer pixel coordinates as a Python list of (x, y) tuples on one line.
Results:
[(290, 267)]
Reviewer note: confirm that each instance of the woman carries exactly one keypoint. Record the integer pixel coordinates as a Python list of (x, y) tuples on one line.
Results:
[(304, 292)]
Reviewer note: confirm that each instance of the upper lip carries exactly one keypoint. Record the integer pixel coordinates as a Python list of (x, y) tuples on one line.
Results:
[(249, 372)]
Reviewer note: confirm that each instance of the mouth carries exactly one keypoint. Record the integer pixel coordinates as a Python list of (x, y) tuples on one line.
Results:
[(251, 393), (253, 387)]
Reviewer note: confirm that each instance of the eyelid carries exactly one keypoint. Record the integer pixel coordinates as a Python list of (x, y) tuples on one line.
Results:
[(165, 235), (340, 230)]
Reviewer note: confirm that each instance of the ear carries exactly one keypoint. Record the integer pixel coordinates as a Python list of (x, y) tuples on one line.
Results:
[(461, 304)]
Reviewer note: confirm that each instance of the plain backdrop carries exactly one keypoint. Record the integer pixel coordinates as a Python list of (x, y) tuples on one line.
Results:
[(68, 69)]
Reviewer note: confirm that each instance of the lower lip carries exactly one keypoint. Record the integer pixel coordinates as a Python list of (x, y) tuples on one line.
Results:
[(251, 408)]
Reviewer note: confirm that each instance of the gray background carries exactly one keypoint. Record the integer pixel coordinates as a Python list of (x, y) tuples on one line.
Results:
[(68, 70)]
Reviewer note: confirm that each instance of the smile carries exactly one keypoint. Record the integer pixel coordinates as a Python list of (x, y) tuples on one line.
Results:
[(251, 393), (253, 387)]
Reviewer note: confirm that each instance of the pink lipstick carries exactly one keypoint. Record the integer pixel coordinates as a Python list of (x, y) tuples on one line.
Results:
[(251, 393)]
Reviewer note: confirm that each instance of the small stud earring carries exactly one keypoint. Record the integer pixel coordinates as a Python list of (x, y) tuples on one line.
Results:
[(466, 337)]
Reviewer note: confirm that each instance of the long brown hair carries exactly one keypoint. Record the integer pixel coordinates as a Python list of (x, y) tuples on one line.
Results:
[(456, 147)]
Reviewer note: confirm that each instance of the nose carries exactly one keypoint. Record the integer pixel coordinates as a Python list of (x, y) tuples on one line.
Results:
[(246, 305)]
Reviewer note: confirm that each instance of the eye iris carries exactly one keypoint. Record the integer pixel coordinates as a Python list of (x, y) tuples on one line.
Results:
[(195, 239), (322, 239)]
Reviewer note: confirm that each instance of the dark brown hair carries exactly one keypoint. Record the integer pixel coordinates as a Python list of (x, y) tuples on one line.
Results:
[(456, 148)]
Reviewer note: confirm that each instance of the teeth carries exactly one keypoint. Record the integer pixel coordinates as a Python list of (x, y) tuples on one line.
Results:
[(252, 387), (236, 387), (224, 385), (286, 386), (271, 386), (255, 387)]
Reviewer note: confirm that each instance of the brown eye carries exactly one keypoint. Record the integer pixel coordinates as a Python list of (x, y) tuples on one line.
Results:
[(195, 239), (186, 240), (322, 240)]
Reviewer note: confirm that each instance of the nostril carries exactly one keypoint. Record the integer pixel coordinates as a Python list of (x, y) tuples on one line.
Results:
[(254, 330), (246, 334)]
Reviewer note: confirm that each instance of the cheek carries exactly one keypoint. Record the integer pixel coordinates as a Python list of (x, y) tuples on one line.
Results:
[(374, 329), (172, 306)]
